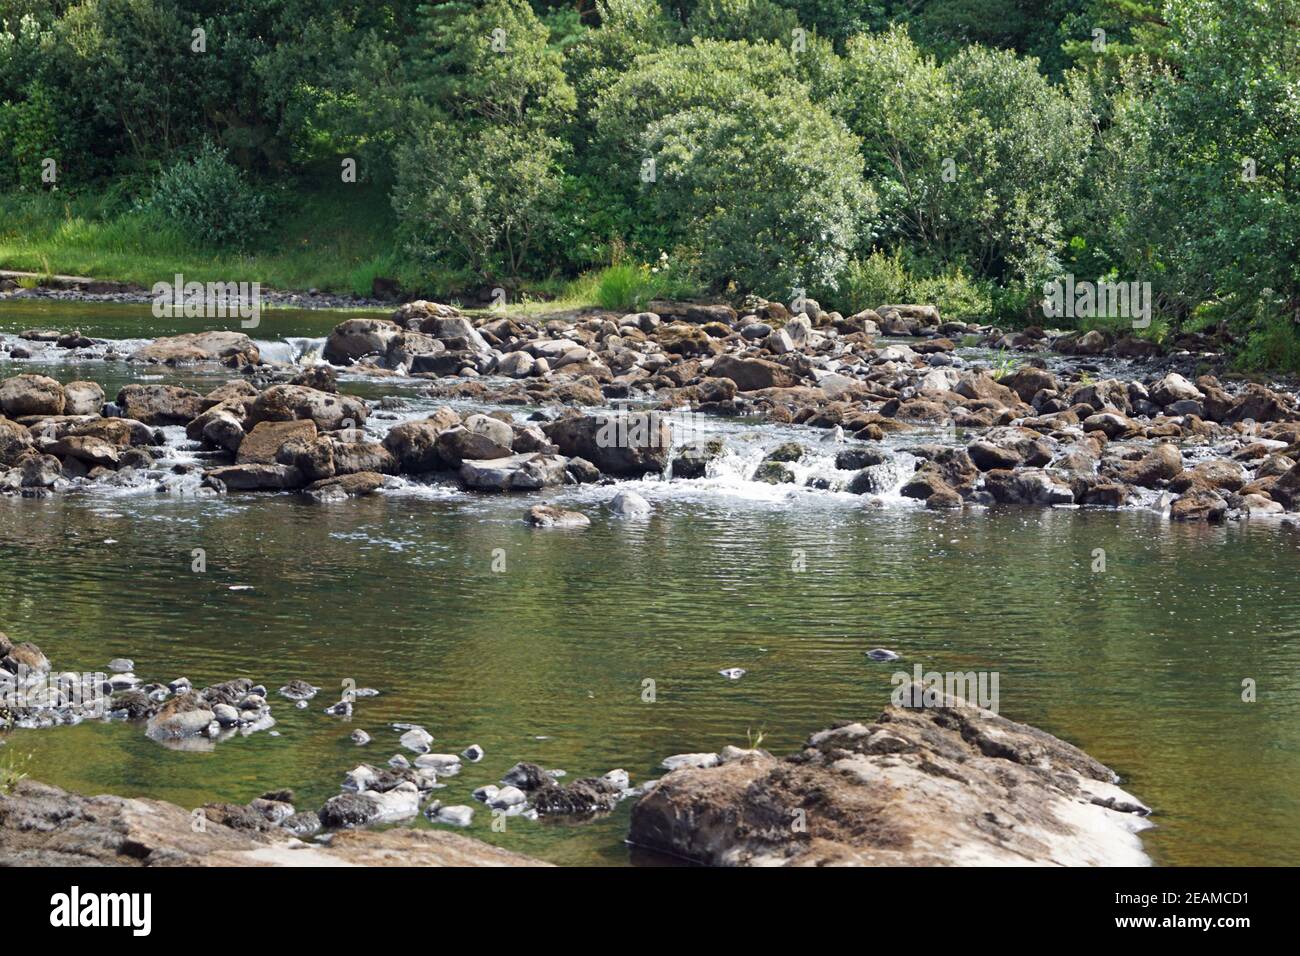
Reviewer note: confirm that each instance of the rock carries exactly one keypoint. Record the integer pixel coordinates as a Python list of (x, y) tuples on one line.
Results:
[(415, 444), (528, 777), (881, 654), (628, 445), (1198, 505), (733, 673), (160, 404), (185, 715), (942, 785), (359, 737), (257, 477), (31, 395), (45, 826), (262, 444), (1174, 388), (349, 810), (1162, 463), (690, 761), (692, 460), (629, 504), (328, 411), (774, 473), (750, 375), (527, 472), (355, 338), (460, 444), (87, 449), (548, 516), (506, 797), (473, 753), (457, 816), (418, 740), (298, 690), (15, 442), (1027, 381), (586, 796), (234, 349), (25, 655), (82, 398), (356, 485)]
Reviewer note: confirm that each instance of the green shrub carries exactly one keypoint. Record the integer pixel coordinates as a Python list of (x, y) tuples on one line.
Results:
[(630, 288), (210, 200), (871, 282)]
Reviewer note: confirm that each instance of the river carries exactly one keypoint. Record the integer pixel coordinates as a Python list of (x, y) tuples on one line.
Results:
[(547, 660)]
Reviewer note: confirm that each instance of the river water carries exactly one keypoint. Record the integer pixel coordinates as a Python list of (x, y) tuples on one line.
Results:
[(547, 659)]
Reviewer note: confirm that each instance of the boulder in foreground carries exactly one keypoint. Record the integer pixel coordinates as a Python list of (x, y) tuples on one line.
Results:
[(946, 785)]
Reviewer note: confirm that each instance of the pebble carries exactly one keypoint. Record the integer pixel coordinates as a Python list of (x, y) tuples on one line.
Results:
[(473, 753), (881, 654), (733, 673), (417, 740), (360, 738), (121, 665)]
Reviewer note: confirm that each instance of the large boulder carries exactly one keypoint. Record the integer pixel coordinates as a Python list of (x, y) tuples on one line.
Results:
[(15, 440), (415, 444), (31, 395), (160, 404), (527, 472), (257, 477), (262, 444), (355, 338), (626, 445), (752, 374), (230, 348), (944, 784), (282, 403), (83, 398)]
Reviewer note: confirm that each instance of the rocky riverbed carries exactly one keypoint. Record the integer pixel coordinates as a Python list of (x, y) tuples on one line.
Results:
[(602, 397)]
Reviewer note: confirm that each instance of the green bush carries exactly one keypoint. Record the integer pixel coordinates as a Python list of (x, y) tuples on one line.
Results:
[(630, 288), (210, 200)]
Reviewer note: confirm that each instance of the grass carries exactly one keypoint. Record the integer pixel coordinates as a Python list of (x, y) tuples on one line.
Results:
[(330, 236), (11, 772)]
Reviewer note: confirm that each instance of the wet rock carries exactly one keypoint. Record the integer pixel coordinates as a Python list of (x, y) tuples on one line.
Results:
[(947, 784), (418, 740), (629, 504), (185, 715), (415, 444), (528, 777), (692, 460), (298, 690), (473, 753), (329, 412), (257, 477), (24, 655), (527, 472), (582, 797), (460, 444), (690, 761), (774, 473), (349, 810), (548, 516), (341, 488), (356, 338), (628, 445), (234, 349), (1198, 505)]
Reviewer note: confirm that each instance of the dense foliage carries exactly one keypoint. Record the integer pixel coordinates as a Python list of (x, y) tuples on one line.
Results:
[(964, 151)]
